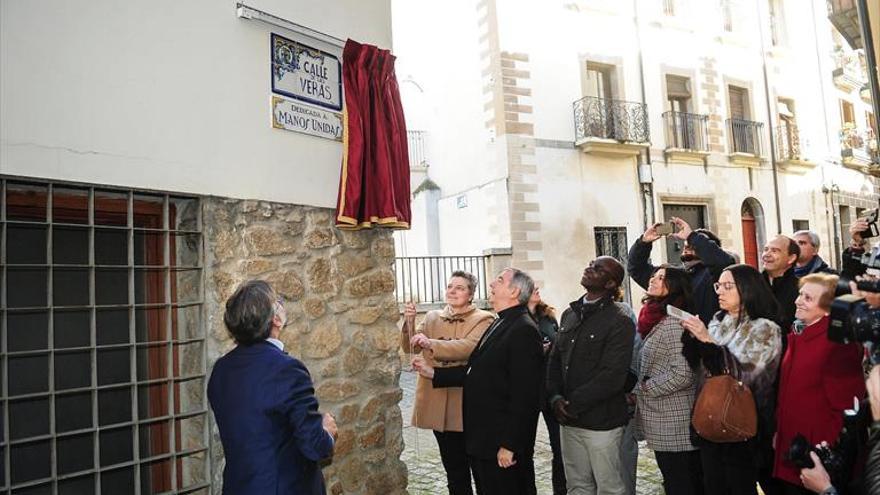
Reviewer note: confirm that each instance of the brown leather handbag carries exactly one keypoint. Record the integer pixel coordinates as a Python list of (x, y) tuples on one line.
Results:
[(725, 411)]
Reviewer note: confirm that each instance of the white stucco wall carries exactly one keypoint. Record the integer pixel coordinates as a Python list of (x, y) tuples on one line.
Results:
[(171, 95), (482, 224)]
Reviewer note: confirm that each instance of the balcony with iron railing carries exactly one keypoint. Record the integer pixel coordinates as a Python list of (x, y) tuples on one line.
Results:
[(859, 149), (416, 144), (422, 279), (611, 127), (687, 138), (850, 72), (744, 139), (788, 148)]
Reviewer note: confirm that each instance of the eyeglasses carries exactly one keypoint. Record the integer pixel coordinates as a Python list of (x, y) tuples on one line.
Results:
[(726, 285), (280, 311)]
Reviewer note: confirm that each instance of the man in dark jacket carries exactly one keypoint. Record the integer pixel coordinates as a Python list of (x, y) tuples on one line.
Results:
[(809, 260), (702, 257), (502, 385), (586, 381), (779, 256)]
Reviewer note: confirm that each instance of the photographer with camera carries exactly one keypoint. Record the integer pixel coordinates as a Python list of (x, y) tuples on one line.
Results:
[(816, 375), (817, 480), (854, 318), (859, 232)]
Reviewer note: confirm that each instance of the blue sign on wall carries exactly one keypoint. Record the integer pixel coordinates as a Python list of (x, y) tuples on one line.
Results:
[(305, 73)]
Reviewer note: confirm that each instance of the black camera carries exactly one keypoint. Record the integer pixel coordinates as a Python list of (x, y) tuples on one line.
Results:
[(837, 459), (852, 319)]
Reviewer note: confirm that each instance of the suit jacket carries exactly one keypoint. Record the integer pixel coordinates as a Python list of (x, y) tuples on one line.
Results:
[(270, 427), (502, 382)]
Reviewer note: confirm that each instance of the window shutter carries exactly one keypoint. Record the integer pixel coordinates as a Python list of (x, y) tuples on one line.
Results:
[(737, 102)]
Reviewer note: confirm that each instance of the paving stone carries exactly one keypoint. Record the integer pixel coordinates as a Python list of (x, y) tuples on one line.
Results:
[(426, 475)]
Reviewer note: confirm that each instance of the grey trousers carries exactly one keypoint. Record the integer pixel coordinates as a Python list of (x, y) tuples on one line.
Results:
[(629, 457), (592, 461)]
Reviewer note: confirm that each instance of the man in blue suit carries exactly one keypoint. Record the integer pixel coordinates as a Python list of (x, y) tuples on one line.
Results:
[(273, 435)]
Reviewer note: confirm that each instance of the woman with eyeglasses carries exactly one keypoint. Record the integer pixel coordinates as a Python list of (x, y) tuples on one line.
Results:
[(817, 375), (445, 339), (665, 392), (743, 340)]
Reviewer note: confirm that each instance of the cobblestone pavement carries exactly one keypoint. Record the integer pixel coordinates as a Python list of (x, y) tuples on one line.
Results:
[(426, 475)]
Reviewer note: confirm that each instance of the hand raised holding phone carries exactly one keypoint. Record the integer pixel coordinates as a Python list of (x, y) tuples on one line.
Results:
[(657, 231)]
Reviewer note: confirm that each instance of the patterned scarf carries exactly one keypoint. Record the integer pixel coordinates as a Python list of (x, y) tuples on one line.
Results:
[(756, 344)]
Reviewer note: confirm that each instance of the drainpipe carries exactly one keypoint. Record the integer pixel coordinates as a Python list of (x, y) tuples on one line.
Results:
[(769, 119), (834, 218), (829, 142), (870, 56), (644, 169)]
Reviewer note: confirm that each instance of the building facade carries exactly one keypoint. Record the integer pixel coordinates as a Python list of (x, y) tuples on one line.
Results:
[(141, 180), (560, 130)]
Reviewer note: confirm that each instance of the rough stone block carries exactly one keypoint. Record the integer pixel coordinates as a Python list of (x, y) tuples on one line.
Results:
[(323, 341), (265, 241), (374, 437), (337, 390), (314, 307), (352, 263), (374, 283), (257, 266), (321, 238), (321, 277), (287, 284)]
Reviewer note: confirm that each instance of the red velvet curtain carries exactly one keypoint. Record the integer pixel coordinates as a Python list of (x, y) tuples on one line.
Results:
[(374, 184)]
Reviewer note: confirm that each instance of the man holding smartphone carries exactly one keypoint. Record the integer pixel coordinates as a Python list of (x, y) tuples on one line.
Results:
[(701, 256)]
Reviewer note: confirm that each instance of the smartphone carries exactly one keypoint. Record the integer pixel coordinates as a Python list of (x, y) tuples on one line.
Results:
[(665, 228), (871, 216), (677, 313)]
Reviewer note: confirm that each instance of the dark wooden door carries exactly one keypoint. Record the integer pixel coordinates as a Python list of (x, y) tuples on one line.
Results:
[(694, 215)]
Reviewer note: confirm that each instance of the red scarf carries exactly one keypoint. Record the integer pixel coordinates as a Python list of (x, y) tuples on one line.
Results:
[(650, 315)]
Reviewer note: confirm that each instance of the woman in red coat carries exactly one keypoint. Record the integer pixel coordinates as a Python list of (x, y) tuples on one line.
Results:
[(818, 378)]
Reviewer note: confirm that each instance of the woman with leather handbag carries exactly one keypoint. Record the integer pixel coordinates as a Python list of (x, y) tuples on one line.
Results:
[(734, 413)]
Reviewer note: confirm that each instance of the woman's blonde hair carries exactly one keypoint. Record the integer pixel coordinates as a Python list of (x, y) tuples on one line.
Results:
[(828, 283)]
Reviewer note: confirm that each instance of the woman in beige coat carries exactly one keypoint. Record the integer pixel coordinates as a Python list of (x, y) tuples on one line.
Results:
[(445, 339)]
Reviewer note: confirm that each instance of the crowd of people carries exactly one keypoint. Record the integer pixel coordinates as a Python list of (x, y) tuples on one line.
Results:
[(603, 377), (722, 370)]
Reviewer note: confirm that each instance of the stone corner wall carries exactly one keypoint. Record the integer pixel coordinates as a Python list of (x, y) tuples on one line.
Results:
[(342, 324)]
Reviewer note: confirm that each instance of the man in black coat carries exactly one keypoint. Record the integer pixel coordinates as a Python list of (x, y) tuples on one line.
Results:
[(779, 256), (587, 381), (702, 257), (502, 385)]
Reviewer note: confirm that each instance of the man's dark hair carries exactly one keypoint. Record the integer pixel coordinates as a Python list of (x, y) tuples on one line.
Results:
[(793, 248), (755, 298), (617, 272), (711, 235), (678, 282), (249, 312)]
